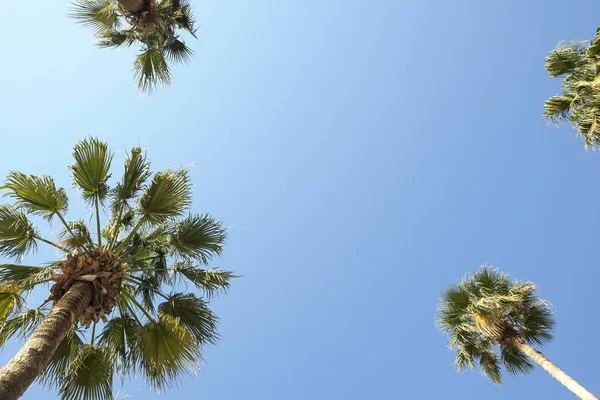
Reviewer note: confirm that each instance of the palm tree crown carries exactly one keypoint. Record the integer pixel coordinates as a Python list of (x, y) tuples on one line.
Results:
[(154, 25), (579, 102), (490, 310), (149, 312)]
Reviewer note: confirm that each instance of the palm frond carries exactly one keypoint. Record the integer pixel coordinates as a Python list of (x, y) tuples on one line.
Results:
[(168, 351), (564, 59), (594, 47), (17, 234), (120, 335), (146, 288), (118, 38), (151, 69), (537, 323), (168, 195), (77, 236), (515, 361), (21, 325), (199, 237), (26, 277), (10, 300), (182, 14), (488, 363), (91, 169), (37, 194), (137, 171), (193, 314), (89, 376), (67, 352), (211, 281), (98, 15), (177, 51), (558, 107)]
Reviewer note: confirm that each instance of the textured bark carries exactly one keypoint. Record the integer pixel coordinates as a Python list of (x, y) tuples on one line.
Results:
[(29, 362), (556, 372), (133, 6)]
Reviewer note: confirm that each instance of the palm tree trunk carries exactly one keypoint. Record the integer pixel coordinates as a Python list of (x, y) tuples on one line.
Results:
[(133, 6), (29, 362), (554, 371)]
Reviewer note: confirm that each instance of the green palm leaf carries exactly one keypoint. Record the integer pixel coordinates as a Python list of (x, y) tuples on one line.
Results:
[(199, 237), (177, 51), (26, 277), (77, 236), (151, 69), (168, 195), (37, 194), (89, 376), (98, 15), (211, 281), (117, 38), (21, 325), (10, 300), (564, 59), (488, 363), (91, 168), (193, 314), (17, 234), (167, 351), (137, 171), (514, 360), (120, 335)]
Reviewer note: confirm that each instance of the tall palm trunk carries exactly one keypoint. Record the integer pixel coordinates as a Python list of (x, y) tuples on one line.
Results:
[(554, 371), (21, 371), (133, 6)]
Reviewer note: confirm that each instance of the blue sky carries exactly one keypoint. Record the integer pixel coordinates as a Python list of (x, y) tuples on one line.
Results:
[(365, 155)]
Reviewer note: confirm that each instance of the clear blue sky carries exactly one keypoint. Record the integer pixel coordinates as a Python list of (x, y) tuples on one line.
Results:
[(365, 155)]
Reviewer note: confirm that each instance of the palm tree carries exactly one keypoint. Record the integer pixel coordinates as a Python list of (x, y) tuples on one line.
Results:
[(111, 313), (489, 309), (579, 102), (154, 25)]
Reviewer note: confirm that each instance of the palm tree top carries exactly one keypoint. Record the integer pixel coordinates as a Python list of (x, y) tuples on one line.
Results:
[(155, 26), (489, 312), (150, 311), (579, 102)]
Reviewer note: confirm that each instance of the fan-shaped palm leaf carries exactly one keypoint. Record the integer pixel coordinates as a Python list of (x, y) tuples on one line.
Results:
[(76, 236), (199, 237), (21, 325), (98, 15), (137, 171), (167, 352), (17, 234), (151, 69), (89, 376), (10, 300), (120, 335), (91, 169), (177, 51), (168, 195), (37, 194), (26, 277), (193, 314), (211, 281)]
